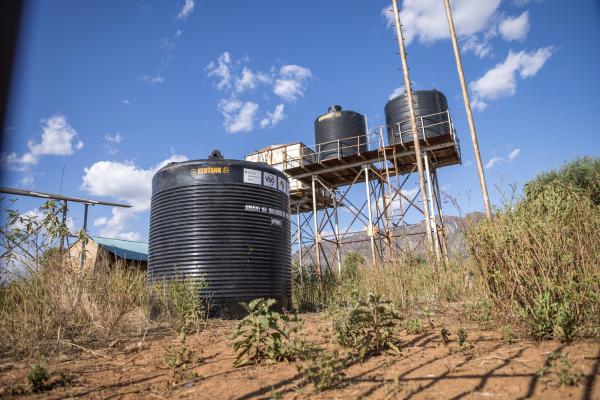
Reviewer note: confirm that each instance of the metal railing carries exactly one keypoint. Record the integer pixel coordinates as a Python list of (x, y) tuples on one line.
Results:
[(353, 145)]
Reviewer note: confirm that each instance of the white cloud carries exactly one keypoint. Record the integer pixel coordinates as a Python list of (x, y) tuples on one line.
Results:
[(125, 182), (480, 47), (250, 79), (27, 180), (222, 70), (501, 81), (493, 161), (515, 28), (522, 3), (397, 92), (513, 154), (153, 79), (290, 84), (239, 116), (399, 202), (125, 101), (58, 139), (186, 9), (273, 118), (236, 78), (425, 20), (116, 138)]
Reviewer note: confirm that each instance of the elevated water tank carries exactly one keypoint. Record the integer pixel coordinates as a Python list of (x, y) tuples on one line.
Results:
[(227, 221), (340, 133), (430, 110)]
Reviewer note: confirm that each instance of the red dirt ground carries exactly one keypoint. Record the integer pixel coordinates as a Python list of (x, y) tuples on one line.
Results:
[(427, 369)]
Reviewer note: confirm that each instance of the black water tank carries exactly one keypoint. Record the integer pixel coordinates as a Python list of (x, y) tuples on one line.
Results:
[(225, 220), (347, 127), (429, 104)]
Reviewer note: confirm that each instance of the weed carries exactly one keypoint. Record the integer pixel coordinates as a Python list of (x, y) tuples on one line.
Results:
[(445, 334), (414, 326), (38, 375), (265, 335), (508, 334), (536, 259), (462, 336), (560, 368), (178, 302), (325, 371), (369, 327), (479, 311), (180, 358)]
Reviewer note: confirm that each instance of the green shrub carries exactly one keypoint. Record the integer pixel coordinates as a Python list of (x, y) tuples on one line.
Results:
[(368, 327), (38, 375), (582, 175), (414, 326), (265, 336)]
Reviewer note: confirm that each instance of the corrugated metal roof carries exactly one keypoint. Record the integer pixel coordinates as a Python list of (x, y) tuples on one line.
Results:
[(127, 249)]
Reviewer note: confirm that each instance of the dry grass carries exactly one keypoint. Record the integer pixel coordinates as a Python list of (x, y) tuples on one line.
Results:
[(54, 303), (539, 260)]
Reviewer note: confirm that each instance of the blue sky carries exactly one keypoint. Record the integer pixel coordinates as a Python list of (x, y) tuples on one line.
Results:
[(110, 90)]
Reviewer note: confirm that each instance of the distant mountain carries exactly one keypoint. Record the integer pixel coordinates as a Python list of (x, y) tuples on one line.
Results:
[(409, 237)]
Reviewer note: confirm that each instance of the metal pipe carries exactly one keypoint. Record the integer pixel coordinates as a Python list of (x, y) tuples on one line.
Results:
[(370, 226), (299, 233), (316, 222), (84, 240), (64, 222), (465, 94), (436, 187), (413, 118), (337, 233), (432, 223)]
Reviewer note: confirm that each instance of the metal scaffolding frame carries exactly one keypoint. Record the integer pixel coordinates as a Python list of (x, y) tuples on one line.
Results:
[(378, 177)]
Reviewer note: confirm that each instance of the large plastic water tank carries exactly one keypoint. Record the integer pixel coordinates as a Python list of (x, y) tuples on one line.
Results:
[(430, 110), (340, 133), (227, 221)]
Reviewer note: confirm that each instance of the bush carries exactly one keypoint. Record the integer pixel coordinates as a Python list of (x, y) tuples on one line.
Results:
[(265, 336), (369, 327), (539, 261), (178, 303), (582, 175), (38, 375)]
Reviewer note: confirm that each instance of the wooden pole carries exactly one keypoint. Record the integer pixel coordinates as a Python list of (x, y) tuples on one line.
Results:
[(413, 120), (465, 94)]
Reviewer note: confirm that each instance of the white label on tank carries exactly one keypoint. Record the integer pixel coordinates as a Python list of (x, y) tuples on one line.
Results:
[(252, 176), (270, 180), (282, 185)]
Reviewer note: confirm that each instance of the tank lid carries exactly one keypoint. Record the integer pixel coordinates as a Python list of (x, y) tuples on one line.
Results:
[(215, 155), (334, 107)]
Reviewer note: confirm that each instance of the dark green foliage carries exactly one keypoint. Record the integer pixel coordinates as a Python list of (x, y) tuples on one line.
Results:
[(369, 327), (265, 336), (38, 375), (582, 174)]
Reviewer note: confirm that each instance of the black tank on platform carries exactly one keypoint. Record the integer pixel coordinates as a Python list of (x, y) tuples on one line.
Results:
[(227, 221), (430, 105), (348, 128)]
